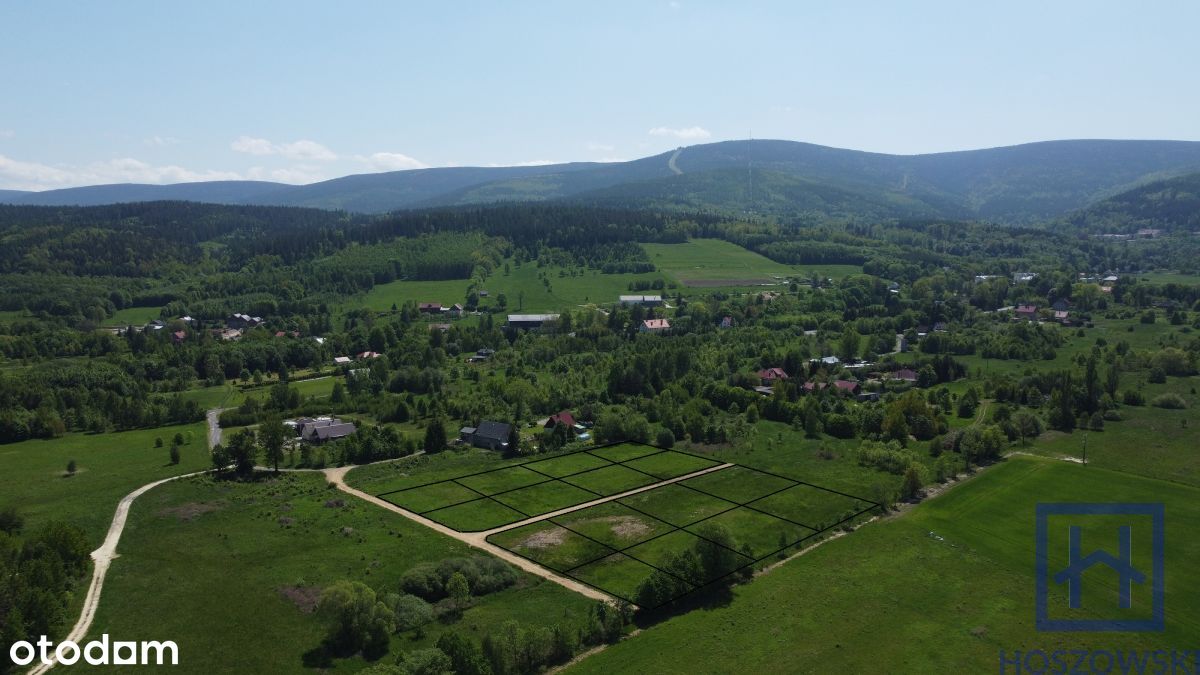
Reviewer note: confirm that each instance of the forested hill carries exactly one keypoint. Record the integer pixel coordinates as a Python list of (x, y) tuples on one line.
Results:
[(1020, 184), (1172, 205)]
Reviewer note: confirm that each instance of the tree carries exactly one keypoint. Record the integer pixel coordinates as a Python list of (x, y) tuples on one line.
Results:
[(158, 441), (1112, 379), (466, 658), (357, 620), (458, 588), (428, 661), (71, 468), (514, 439), (911, 486), (665, 438), (435, 436), (968, 402), (716, 550), (339, 392), (220, 458), (271, 436), (242, 450), (848, 344), (1028, 425), (174, 454), (178, 439)]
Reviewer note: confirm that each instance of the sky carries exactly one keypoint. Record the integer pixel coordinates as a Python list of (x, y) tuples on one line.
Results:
[(296, 92)]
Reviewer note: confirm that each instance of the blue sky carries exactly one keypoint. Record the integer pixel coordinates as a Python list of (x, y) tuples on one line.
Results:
[(296, 91)]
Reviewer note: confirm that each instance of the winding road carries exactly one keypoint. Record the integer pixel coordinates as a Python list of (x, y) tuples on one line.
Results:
[(671, 162), (103, 556)]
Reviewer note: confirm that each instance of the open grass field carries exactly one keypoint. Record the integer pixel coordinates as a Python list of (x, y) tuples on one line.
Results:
[(1167, 277), (965, 560), (286, 538), (132, 316), (714, 262), (109, 466), (522, 287)]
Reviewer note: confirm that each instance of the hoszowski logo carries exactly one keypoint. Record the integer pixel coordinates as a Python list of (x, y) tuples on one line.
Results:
[(96, 652), (1079, 562)]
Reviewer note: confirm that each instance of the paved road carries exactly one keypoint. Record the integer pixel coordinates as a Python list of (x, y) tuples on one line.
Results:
[(214, 427)]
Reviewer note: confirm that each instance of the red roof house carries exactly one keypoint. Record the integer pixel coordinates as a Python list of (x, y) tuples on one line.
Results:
[(564, 417)]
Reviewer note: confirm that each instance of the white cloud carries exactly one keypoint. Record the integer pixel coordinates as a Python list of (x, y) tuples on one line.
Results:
[(20, 175), (612, 160), (301, 174), (600, 147), (161, 141), (301, 149), (683, 133), (391, 161)]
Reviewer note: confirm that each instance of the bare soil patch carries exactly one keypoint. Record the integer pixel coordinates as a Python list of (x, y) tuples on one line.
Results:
[(545, 539), (305, 598), (191, 510)]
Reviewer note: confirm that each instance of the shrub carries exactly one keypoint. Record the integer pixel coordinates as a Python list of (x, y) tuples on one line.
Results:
[(1133, 397), (1169, 401)]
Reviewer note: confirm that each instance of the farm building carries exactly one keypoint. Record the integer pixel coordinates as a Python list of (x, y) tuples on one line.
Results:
[(529, 321), (644, 300), (341, 360), (904, 375), (429, 307), (243, 321), (489, 435)]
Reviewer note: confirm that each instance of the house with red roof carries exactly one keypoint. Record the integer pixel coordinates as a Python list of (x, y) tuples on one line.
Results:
[(655, 326), (770, 375), (565, 417), (1027, 312)]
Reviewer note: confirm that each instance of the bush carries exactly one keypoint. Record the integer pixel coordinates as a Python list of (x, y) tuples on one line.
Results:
[(1157, 375), (665, 438), (1169, 401), (1133, 397), (174, 454)]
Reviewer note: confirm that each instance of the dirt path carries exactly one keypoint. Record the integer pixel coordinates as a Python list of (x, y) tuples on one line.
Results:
[(478, 540), (103, 557)]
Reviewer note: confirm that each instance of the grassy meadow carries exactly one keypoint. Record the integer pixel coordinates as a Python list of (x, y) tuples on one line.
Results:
[(963, 560), (108, 467), (287, 538)]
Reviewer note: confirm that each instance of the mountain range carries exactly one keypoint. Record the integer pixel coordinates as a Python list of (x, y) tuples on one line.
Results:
[(1019, 184)]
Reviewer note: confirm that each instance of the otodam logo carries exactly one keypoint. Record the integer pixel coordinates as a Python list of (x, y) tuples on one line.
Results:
[(1119, 522), (97, 652)]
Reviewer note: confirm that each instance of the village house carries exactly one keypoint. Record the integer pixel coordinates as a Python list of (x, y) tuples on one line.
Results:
[(770, 375), (178, 336), (1063, 317), (727, 322), (489, 435), (367, 355), (243, 321), (565, 417), (903, 375), (342, 360), (1027, 312), (229, 333), (1024, 277), (429, 307), (655, 326), (323, 429)]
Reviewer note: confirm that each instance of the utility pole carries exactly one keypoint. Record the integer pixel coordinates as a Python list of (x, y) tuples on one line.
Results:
[(1085, 448)]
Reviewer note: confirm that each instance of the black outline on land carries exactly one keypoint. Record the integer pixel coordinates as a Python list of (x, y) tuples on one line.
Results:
[(655, 451)]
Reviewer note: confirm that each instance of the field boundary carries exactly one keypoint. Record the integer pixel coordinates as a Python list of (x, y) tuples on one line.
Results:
[(753, 504)]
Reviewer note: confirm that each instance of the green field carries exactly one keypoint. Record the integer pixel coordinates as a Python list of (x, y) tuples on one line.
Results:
[(665, 465), (677, 505), (738, 484), (523, 289), (613, 524), (550, 545), (286, 538), (132, 316), (949, 584), (707, 262), (109, 466), (610, 480)]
